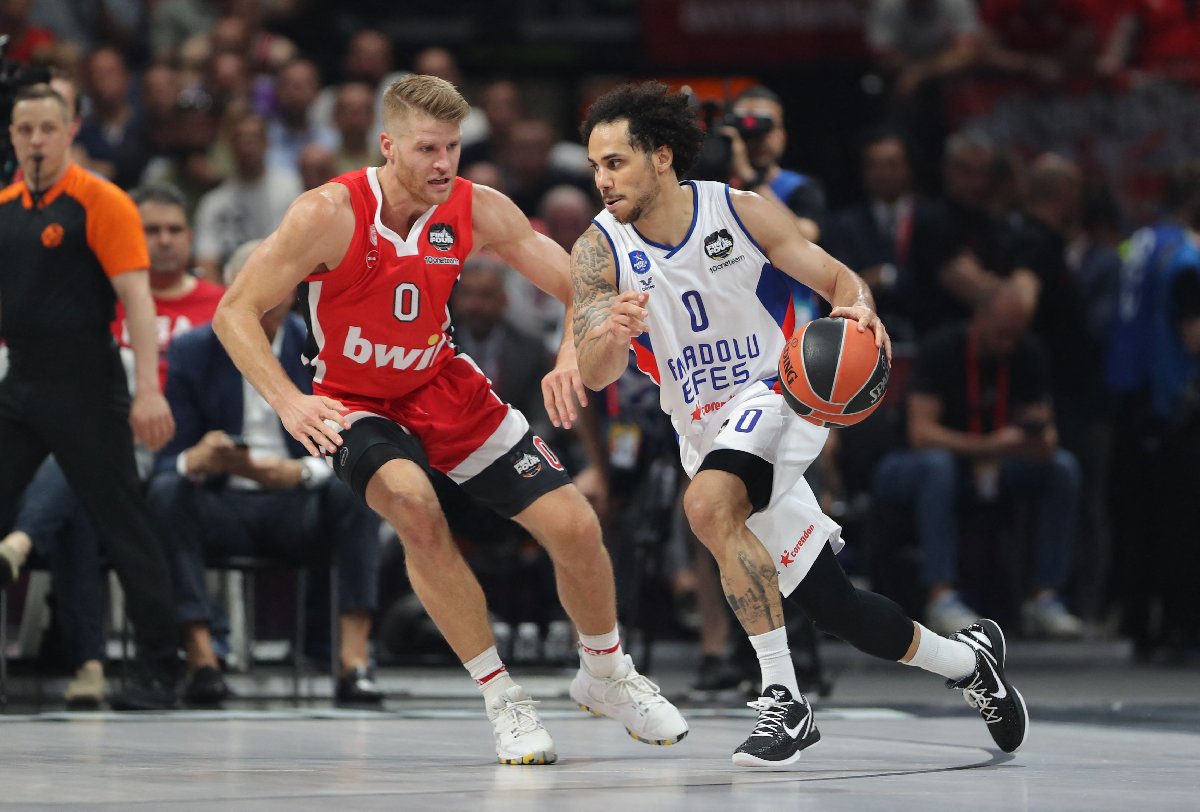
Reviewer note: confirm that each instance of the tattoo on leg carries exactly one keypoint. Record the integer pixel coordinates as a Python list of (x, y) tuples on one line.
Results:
[(754, 603)]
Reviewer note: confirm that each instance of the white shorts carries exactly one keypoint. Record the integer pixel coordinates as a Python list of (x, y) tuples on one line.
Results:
[(792, 527)]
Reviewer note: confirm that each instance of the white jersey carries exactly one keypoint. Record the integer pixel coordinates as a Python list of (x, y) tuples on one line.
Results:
[(719, 315), (719, 312)]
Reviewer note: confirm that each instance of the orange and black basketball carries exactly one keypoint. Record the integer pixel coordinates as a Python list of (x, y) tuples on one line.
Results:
[(831, 374)]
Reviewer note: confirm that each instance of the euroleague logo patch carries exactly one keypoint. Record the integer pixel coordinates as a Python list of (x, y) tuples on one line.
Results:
[(372, 259), (719, 244), (52, 235), (441, 236)]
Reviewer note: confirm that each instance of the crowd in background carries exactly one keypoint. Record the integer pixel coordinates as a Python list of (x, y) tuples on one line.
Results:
[(1026, 214)]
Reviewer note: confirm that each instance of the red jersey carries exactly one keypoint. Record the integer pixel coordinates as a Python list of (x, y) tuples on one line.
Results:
[(379, 322), (172, 317)]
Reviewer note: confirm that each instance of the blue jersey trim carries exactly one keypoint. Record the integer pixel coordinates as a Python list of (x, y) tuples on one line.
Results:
[(672, 250), (775, 293), (741, 225)]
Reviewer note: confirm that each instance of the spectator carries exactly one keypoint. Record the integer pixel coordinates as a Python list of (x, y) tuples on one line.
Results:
[(368, 59), (1158, 37), (525, 162), (1094, 258), (563, 214), (258, 494), (185, 141), (112, 133), (292, 127), (65, 392), (50, 517), (1045, 42), (440, 62), (883, 234), (316, 165), (116, 22), (246, 206), (26, 41), (353, 117), (1147, 373), (920, 41), (174, 22), (502, 107), (920, 45), (758, 143), (980, 412)]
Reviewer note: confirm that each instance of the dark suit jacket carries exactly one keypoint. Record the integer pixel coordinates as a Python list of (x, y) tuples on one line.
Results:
[(917, 297), (204, 388), (524, 361)]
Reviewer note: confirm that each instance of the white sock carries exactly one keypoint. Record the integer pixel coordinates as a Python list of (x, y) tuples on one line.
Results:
[(941, 655), (490, 675), (775, 660), (601, 652)]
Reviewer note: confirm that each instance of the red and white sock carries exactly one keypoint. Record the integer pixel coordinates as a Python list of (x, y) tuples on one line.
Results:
[(489, 674), (601, 652)]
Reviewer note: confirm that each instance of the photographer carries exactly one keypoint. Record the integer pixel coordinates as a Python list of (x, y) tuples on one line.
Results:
[(757, 140)]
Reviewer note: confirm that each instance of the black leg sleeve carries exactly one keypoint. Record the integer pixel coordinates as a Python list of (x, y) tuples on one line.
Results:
[(865, 620)]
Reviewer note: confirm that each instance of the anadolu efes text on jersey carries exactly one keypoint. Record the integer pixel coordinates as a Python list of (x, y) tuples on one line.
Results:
[(379, 321), (719, 313)]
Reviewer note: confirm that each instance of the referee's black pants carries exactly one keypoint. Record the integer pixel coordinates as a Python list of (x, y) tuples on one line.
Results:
[(67, 395)]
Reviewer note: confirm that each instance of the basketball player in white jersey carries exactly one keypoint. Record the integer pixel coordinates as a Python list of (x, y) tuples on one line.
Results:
[(699, 278), (380, 250)]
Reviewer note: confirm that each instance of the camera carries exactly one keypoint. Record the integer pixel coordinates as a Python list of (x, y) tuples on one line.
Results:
[(750, 126), (716, 155)]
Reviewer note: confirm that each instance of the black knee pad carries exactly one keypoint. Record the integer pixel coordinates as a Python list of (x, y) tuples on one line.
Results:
[(367, 445)]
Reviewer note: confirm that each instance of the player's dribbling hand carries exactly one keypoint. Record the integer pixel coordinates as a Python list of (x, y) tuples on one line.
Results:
[(315, 421), (627, 317), (867, 320)]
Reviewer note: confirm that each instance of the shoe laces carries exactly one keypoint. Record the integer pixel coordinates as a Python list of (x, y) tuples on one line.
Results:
[(633, 687), (519, 716), (979, 697), (770, 716)]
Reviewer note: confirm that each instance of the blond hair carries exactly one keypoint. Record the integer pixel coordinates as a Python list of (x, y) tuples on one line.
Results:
[(426, 95)]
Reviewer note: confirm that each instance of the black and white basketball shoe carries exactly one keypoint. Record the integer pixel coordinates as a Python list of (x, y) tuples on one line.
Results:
[(988, 690), (785, 727)]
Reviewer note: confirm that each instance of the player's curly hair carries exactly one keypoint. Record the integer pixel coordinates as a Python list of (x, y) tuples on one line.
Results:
[(657, 117)]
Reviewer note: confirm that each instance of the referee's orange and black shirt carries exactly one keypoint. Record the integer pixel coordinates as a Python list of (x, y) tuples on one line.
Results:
[(56, 260)]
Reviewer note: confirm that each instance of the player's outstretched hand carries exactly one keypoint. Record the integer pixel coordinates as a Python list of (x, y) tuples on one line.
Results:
[(562, 387), (315, 421), (867, 320)]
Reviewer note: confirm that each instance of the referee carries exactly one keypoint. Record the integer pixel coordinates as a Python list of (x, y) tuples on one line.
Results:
[(70, 245)]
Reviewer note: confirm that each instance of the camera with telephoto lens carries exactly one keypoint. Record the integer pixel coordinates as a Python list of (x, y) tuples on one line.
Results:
[(716, 154), (749, 125)]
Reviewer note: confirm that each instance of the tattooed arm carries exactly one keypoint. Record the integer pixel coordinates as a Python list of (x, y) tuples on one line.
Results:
[(604, 321)]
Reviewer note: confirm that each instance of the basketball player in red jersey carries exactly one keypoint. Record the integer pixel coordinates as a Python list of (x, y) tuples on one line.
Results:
[(378, 251)]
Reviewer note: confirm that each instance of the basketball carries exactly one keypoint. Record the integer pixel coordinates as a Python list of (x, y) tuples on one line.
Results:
[(831, 374)]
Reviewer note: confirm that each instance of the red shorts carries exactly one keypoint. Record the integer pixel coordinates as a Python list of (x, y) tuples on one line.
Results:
[(460, 422)]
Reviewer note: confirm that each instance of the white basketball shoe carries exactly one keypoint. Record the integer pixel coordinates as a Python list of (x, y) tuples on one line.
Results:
[(632, 700), (520, 737)]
